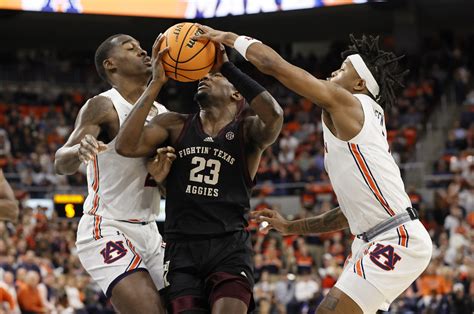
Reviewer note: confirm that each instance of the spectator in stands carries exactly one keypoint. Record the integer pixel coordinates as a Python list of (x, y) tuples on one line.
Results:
[(29, 297), (263, 293), (306, 290)]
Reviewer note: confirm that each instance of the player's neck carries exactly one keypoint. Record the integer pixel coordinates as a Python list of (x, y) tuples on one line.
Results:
[(130, 90), (213, 119)]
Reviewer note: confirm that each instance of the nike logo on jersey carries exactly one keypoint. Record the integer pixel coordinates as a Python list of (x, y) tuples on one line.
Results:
[(208, 139)]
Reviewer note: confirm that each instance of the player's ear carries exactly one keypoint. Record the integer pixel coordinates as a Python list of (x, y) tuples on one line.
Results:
[(236, 96), (359, 85), (108, 64)]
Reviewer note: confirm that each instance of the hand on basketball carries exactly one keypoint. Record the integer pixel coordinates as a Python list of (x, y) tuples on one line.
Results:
[(156, 60), (216, 36), (89, 147), (160, 165), (221, 58), (270, 219)]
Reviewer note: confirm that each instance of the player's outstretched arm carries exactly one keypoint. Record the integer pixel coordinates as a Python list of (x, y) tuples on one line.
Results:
[(325, 94), (134, 138), (82, 144), (264, 128), (332, 220), (8, 203)]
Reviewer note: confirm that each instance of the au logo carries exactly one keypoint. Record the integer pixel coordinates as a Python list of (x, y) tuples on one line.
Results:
[(384, 256), (113, 251)]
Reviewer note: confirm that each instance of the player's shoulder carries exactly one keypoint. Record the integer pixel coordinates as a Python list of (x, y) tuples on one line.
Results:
[(170, 118), (98, 108)]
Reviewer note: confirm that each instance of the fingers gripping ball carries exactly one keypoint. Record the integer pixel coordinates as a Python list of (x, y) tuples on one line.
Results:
[(187, 60)]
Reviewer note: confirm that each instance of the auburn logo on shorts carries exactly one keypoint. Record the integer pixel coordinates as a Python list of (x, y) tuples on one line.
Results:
[(384, 256), (114, 250)]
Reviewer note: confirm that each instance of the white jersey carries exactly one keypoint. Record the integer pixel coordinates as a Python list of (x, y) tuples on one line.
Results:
[(363, 173), (117, 185)]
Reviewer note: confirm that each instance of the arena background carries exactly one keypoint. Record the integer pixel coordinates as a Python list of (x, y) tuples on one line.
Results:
[(47, 73)]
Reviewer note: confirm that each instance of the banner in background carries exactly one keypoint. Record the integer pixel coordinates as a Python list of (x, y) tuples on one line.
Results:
[(189, 9)]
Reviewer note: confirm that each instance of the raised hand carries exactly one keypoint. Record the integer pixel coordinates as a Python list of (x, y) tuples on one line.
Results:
[(221, 58), (160, 165), (156, 57), (216, 36), (89, 147)]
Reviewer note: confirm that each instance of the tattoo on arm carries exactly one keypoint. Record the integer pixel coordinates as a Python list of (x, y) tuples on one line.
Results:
[(330, 302), (332, 220)]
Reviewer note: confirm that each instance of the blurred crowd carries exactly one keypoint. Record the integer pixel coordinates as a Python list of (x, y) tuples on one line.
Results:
[(39, 268)]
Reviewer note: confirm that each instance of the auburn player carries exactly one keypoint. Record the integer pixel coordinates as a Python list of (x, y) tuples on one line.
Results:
[(391, 248), (208, 258), (118, 241)]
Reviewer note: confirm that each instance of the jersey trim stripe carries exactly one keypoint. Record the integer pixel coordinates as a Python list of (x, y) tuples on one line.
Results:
[(95, 187), (359, 269), (368, 178), (97, 230), (402, 236), (136, 261)]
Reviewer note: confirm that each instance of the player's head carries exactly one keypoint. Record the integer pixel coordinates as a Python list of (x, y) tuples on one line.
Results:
[(121, 55), (215, 90), (370, 70)]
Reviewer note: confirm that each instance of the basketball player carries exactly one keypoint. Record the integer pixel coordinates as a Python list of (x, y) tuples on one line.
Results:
[(118, 241), (391, 248), (208, 259), (8, 203)]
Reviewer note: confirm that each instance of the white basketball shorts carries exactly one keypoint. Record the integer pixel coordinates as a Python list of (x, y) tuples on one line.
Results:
[(376, 273), (110, 250)]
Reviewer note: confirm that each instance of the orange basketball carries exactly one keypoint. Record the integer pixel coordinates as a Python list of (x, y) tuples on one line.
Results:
[(187, 60)]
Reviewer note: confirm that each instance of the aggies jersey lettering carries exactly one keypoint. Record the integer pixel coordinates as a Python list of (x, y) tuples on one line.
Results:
[(363, 173), (208, 187), (117, 185)]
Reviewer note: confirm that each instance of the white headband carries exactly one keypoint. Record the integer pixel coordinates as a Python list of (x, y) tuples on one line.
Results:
[(365, 74)]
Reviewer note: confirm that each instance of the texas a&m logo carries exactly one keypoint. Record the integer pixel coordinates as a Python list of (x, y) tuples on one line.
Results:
[(384, 256), (114, 250)]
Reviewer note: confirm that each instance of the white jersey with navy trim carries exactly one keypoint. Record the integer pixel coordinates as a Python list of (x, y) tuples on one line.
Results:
[(117, 185), (363, 173)]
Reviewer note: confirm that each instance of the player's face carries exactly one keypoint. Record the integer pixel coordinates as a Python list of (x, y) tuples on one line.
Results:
[(214, 88), (129, 58), (346, 76)]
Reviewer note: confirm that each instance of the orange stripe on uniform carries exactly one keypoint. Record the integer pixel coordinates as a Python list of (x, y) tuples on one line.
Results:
[(369, 179), (95, 187), (359, 269), (136, 260), (403, 236), (97, 233)]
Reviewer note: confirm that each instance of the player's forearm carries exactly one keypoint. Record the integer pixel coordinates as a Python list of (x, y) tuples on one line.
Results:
[(131, 133), (332, 220), (66, 160), (259, 99), (9, 210)]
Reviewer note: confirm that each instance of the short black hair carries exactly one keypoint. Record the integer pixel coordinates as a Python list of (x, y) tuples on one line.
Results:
[(102, 53), (383, 65)]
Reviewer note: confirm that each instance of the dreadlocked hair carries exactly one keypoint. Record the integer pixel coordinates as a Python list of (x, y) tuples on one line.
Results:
[(383, 65)]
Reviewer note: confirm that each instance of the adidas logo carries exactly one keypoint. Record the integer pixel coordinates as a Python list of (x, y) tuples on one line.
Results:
[(208, 139)]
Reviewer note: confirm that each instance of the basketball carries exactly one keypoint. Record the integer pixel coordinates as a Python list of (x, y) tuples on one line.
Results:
[(187, 60)]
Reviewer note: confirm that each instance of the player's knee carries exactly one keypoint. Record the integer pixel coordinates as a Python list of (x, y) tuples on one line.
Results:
[(136, 293), (227, 286)]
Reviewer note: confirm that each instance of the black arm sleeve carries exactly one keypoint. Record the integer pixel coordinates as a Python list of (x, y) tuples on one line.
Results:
[(242, 82)]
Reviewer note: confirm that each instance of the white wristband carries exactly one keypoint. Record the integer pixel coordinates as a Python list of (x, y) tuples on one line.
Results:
[(242, 43)]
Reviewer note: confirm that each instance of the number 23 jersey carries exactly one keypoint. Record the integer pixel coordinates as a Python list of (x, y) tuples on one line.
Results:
[(208, 187)]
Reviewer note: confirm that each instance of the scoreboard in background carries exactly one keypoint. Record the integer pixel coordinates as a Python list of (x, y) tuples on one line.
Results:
[(68, 205), (188, 9)]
